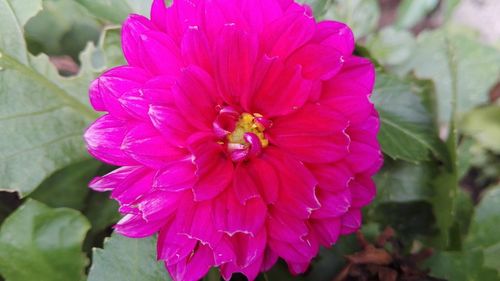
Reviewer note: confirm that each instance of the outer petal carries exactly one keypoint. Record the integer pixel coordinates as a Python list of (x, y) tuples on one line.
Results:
[(176, 176), (106, 90), (332, 204), (104, 138), (160, 54), (351, 221), (288, 33), (132, 29), (112, 180), (332, 177), (363, 191), (334, 35), (232, 217), (134, 226), (194, 267), (327, 231), (171, 124), (312, 134), (348, 91), (297, 185), (147, 146), (318, 61)]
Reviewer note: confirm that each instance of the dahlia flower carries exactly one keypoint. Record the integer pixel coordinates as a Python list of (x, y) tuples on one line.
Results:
[(243, 131)]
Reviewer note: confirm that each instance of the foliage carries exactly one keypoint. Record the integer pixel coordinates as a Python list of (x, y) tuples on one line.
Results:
[(439, 131)]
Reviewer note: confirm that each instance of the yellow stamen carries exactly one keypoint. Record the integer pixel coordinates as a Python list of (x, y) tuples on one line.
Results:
[(247, 124)]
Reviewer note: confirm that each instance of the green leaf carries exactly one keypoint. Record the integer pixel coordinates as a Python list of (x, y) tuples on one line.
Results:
[(459, 266), (38, 243), (411, 12), (62, 28), (492, 257), (42, 115), (391, 46), (477, 68), (407, 131), (401, 182), (127, 259), (116, 11), (483, 124), (11, 33), (67, 187), (485, 225), (361, 15), (111, 45)]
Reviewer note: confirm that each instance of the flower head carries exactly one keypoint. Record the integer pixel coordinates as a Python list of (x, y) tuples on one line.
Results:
[(244, 133)]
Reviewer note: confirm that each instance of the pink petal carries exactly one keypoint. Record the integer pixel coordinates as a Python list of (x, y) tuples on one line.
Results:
[(135, 104), (232, 217), (235, 56), (158, 205), (248, 248), (171, 124), (173, 247), (214, 169), (160, 54), (348, 91), (331, 177), (147, 146), (103, 139), (113, 179), (332, 204), (288, 33), (312, 134), (270, 259), (297, 185), (176, 176), (335, 35), (284, 227), (196, 50), (196, 221), (106, 90), (327, 230), (132, 30), (134, 226), (196, 97), (351, 221), (134, 185), (194, 267), (365, 155), (318, 61), (297, 268), (363, 191), (279, 89)]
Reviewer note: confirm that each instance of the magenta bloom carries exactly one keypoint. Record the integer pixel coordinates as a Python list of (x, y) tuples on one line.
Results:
[(244, 133)]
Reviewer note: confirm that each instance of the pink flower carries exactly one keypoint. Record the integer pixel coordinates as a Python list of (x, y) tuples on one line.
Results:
[(244, 133)]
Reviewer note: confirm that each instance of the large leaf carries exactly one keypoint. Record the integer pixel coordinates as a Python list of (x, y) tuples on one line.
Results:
[(361, 15), (42, 115), (127, 259), (67, 187), (407, 131), (38, 243), (401, 182), (62, 28), (485, 225), (483, 124), (116, 10), (459, 266), (391, 46), (444, 51), (411, 12)]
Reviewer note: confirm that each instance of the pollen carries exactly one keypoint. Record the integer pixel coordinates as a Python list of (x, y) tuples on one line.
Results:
[(248, 123)]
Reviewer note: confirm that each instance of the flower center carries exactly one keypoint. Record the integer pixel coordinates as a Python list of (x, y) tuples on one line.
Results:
[(246, 124), (242, 134)]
